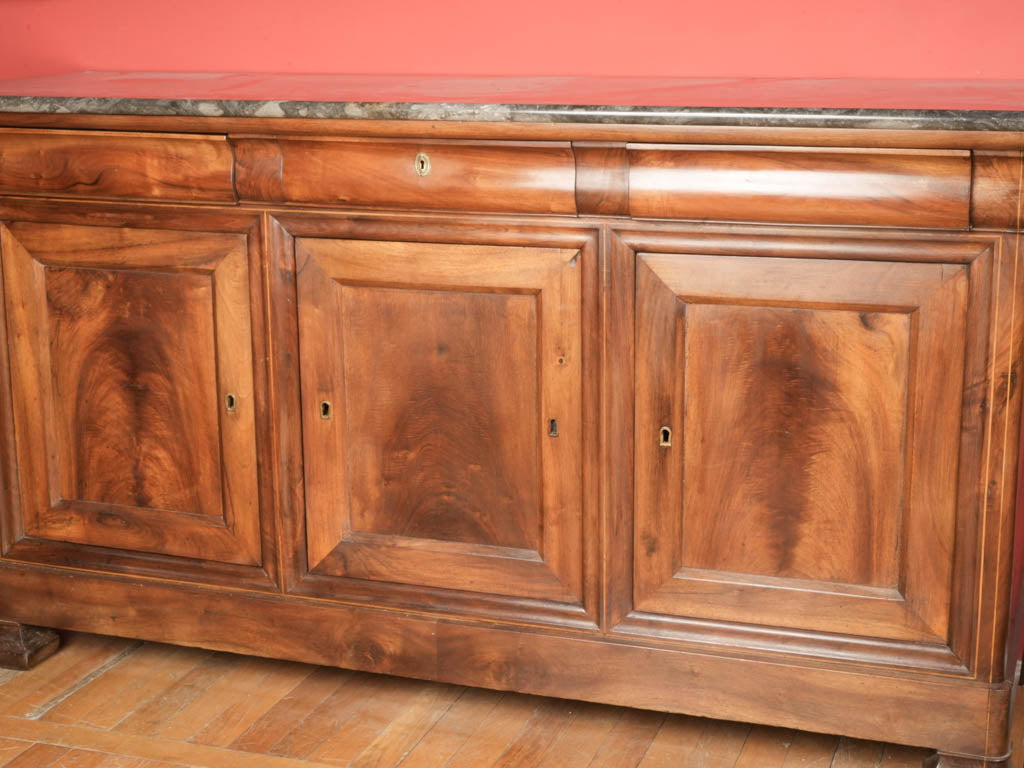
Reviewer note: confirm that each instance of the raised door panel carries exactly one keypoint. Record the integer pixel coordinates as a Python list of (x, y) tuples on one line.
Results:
[(442, 415), (132, 384), (798, 434)]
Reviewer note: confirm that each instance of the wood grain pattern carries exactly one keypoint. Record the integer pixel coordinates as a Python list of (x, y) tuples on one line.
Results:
[(115, 165), (536, 177), (429, 460), (813, 186), (754, 375), (997, 189), (257, 169), (794, 342), (127, 343), (447, 424), (602, 179)]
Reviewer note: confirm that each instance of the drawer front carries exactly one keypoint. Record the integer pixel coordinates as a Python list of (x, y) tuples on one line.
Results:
[(98, 164), (133, 390), (800, 185), (527, 177)]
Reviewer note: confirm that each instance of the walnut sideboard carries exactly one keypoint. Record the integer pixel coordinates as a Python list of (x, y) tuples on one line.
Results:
[(710, 410)]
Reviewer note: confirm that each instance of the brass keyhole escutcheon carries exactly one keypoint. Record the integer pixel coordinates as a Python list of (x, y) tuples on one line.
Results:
[(422, 164), (665, 435), (325, 409), (230, 402)]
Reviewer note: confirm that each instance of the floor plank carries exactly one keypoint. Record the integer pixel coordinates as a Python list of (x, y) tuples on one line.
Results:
[(80, 656), (676, 739), (458, 725), (259, 696), (541, 730), (811, 750), (578, 744), (290, 711), (629, 741), (719, 746), (149, 718), (765, 748), (496, 732), (136, 679), (38, 756), (854, 753), (11, 748), (399, 738)]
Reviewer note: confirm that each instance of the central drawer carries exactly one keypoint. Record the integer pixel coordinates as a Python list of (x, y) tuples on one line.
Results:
[(514, 177)]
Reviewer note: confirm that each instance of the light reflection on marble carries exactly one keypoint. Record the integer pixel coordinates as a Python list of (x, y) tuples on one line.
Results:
[(940, 105)]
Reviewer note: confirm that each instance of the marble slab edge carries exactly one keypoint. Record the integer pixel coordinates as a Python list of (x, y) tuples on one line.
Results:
[(784, 117)]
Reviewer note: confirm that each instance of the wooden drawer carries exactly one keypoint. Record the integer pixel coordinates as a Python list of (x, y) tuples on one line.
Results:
[(100, 164), (514, 177), (798, 185)]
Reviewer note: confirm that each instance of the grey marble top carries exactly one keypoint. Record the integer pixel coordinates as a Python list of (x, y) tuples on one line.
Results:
[(886, 104)]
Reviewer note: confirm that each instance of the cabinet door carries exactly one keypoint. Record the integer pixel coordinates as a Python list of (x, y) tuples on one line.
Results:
[(442, 414), (801, 424), (132, 385)]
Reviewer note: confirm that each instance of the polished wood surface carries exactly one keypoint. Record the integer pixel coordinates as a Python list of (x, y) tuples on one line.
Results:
[(534, 177), (454, 425), (708, 428), (108, 703), (997, 190), (128, 345), (807, 186), (856, 353), (98, 164), (602, 179)]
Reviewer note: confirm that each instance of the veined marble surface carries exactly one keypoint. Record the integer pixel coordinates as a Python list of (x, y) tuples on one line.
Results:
[(888, 104)]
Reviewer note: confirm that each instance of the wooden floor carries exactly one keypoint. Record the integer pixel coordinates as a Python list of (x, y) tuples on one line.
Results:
[(110, 703)]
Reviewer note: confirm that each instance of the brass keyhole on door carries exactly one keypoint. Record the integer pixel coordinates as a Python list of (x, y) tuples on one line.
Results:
[(553, 428), (422, 164), (666, 437), (325, 409), (230, 402)]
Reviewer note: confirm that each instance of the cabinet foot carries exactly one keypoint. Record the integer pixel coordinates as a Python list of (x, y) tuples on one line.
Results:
[(939, 760), (22, 647)]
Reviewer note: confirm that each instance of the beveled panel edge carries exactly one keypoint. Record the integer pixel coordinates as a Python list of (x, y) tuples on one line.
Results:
[(776, 641), (69, 556)]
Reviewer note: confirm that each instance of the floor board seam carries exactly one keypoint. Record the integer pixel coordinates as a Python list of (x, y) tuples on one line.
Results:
[(41, 711), (433, 725)]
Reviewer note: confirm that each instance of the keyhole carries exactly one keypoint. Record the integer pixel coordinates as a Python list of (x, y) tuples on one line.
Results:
[(325, 409), (422, 164), (553, 428), (230, 402), (666, 437)]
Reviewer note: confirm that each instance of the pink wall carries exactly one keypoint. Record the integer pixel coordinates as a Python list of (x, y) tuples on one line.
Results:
[(714, 38)]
